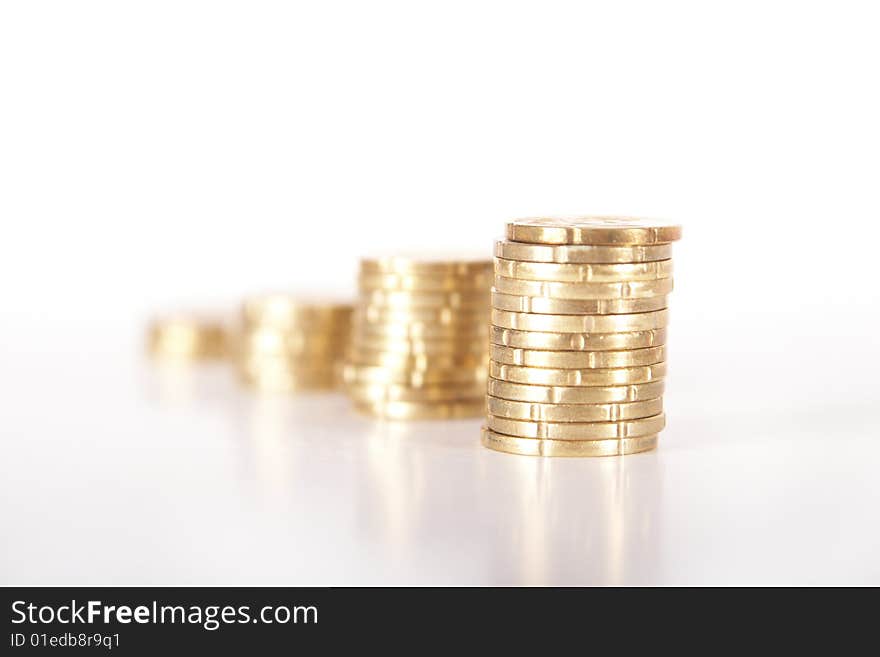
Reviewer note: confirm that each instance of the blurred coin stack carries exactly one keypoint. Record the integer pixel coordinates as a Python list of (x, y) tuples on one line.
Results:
[(418, 346), (286, 343), (189, 336), (578, 336)]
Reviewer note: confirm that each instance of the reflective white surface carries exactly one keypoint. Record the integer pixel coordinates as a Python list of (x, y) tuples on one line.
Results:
[(116, 471)]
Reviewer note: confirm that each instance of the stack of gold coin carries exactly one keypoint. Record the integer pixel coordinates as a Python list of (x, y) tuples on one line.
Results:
[(189, 336), (419, 346), (286, 343), (578, 355)]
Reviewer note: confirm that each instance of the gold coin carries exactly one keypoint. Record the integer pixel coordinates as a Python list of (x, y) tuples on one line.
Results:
[(441, 316), (281, 384), (297, 367), (589, 291), (402, 410), (424, 266), (577, 430), (592, 230), (189, 336), (372, 392), (575, 394), (467, 345), (283, 310), (479, 282), (581, 254), (423, 331), (418, 362), (543, 305), (406, 300), (542, 376), (414, 378), (294, 343), (583, 273), (580, 323), (577, 359), (274, 380), (515, 410), (550, 341), (534, 447)]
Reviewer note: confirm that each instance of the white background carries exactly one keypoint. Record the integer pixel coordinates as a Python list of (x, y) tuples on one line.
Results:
[(159, 154)]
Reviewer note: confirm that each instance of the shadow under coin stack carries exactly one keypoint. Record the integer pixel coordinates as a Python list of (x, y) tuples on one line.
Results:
[(287, 344), (418, 346), (578, 336)]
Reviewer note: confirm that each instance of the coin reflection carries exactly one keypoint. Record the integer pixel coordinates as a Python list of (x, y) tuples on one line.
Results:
[(396, 485), (282, 438), (181, 383), (574, 521)]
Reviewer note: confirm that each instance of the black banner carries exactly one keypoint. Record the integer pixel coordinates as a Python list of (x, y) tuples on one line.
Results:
[(146, 620)]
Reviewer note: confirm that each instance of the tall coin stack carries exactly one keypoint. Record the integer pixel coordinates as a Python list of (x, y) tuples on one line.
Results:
[(418, 346), (286, 343), (578, 336)]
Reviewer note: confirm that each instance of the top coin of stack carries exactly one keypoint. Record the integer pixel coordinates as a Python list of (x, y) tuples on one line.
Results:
[(189, 337), (287, 343), (418, 346), (578, 336)]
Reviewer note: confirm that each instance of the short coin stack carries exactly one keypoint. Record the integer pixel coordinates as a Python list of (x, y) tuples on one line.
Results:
[(189, 337), (578, 336), (286, 343), (418, 346)]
